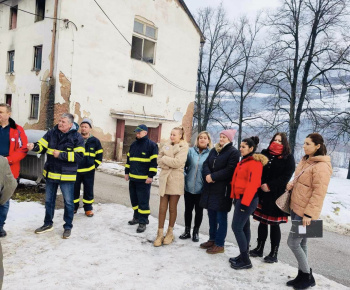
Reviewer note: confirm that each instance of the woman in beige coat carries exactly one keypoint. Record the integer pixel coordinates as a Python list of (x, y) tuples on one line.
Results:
[(171, 159), (308, 194)]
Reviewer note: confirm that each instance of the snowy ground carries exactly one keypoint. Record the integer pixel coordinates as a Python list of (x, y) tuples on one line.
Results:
[(106, 253)]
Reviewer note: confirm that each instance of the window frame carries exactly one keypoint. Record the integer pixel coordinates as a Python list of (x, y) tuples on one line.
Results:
[(8, 99), (32, 106), (12, 10), (35, 57), (137, 93), (39, 17), (9, 53)]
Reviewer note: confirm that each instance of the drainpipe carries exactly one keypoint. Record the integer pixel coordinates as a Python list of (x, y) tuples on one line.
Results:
[(50, 109)]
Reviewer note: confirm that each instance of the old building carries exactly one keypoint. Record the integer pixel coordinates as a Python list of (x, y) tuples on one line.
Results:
[(68, 56)]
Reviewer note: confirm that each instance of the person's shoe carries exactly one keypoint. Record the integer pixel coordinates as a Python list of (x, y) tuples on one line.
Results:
[(159, 239), (207, 245), (2, 233), (141, 228), (291, 283), (134, 221), (75, 211), (234, 259), (169, 237), (66, 234), (195, 234), (215, 250), (259, 250), (44, 229), (306, 280), (272, 257), (242, 263), (186, 234), (89, 213)]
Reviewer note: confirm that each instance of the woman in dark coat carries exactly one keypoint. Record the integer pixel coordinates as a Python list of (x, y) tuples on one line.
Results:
[(217, 174), (276, 175)]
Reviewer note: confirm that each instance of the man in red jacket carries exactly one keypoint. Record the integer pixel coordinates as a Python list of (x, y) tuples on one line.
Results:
[(13, 146)]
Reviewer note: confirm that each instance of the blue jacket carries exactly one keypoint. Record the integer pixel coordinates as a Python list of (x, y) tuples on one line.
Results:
[(193, 170)]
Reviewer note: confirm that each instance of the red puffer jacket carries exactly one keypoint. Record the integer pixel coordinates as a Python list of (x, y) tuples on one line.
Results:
[(247, 178), (18, 147)]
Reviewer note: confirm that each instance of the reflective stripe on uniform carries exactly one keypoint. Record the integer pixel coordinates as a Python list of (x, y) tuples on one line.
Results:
[(70, 156), (99, 151), (88, 201), (127, 165), (58, 176), (76, 200), (98, 162), (135, 207), (86, 169), (140, 159), (90, 154), (153, 169), (138, 176), (50, 151), (128, 154), (79, 149), (43, 142), (153, 156), (40, 148), (147, 211)]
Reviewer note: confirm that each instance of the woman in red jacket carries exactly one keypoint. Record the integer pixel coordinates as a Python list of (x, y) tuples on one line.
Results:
[(245, 183)]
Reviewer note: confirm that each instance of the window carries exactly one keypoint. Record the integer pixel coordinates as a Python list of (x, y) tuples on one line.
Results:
[(140, 88), (143, 45), (8, 99), (40, 10), (34, 108), (13, 17), (37, 57), (11, 61)]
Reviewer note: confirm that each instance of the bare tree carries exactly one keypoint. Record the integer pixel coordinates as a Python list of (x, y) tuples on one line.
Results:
[(311, 44)]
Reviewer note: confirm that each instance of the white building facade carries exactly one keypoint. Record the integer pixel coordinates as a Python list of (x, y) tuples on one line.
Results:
[(142, 70)]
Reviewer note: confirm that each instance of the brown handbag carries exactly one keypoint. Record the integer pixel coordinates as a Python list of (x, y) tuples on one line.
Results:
[(283, 202)]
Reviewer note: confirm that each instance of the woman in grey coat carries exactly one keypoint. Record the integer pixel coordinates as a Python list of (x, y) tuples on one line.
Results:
[(194, 184)]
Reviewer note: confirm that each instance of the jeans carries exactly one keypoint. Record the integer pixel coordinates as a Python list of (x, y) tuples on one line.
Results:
[(241, 224), (192, 202), (217, 226), (299, 247), (67, 188), (4, 209)]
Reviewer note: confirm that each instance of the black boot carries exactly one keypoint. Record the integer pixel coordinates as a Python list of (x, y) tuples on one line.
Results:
[(306, 280), (259, 250), (186, 234), (195, 234), (242, 263), (272, 257), (235, 259), (291, 283)]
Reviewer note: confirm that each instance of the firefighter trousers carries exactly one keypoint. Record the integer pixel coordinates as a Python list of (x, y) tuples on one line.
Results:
[(139, 197), (87, 179)]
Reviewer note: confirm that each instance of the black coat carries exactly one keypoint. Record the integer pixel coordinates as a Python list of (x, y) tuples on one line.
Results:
[(216, 196), (276, 174)]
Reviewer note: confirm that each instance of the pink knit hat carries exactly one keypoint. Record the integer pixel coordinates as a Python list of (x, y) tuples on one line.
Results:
[(230, 133)]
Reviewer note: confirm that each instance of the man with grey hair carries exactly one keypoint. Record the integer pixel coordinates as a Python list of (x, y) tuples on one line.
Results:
[(65, 148)]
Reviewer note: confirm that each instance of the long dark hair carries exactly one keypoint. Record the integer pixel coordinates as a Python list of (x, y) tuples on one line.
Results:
[(286, 148), (252, 142), (318, 140)]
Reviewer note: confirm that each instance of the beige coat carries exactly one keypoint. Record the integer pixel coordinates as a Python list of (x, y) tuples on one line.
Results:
[(172, 159), (311, 187)]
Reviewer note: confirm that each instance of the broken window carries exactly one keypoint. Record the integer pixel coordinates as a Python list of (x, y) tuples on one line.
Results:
[(11, 61), (34, 108), (140, 88), (8, 99), (39, 10), (37, 57), (13, 17), (142, 47)]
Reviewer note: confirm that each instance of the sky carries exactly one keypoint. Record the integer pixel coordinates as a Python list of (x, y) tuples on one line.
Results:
[(234, 8)]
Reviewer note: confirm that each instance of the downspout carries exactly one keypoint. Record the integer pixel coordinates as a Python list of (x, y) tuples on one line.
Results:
[(50, 113)]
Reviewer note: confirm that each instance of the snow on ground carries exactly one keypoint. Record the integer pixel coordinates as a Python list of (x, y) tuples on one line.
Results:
[(104, 252)]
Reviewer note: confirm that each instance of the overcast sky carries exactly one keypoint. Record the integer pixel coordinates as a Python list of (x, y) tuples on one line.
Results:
[(234, 8)]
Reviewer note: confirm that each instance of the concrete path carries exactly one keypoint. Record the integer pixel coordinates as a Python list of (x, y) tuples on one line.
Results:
[(329, 256)]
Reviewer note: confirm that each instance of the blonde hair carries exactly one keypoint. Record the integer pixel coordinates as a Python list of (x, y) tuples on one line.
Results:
[(210, 145), (182, 132)]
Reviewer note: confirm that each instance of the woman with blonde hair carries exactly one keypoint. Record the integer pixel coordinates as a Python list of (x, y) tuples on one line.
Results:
[(171, 159), (194, 184)]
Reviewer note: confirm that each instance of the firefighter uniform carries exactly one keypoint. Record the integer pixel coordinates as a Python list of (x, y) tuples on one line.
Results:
[(86, 173), (141, 164)]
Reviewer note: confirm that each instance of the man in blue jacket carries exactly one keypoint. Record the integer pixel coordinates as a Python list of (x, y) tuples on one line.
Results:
[(65, 148), (140, 168)]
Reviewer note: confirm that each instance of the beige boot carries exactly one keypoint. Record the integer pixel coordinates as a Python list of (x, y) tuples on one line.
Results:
[(169, 237), (159, 240)]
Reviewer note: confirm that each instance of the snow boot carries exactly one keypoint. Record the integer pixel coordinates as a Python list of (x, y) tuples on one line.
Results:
[(259, 250), (2, 233), (141, 228), (272, 257), (242, 263), (306, 280), (169, 237), (215, 250), (195, 235), (134, 221), (159, 240), (291, 283), (186, 234), (207, 245)]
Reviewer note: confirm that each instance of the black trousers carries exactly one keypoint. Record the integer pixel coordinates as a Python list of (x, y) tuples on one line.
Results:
[(192, 201), (87, 179), (139, 197)]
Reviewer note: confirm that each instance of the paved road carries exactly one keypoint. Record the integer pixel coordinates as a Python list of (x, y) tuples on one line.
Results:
[(329, 256)]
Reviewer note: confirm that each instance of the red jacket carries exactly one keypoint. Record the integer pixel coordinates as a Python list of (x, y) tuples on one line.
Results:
[(18, 147), (247, 178)]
